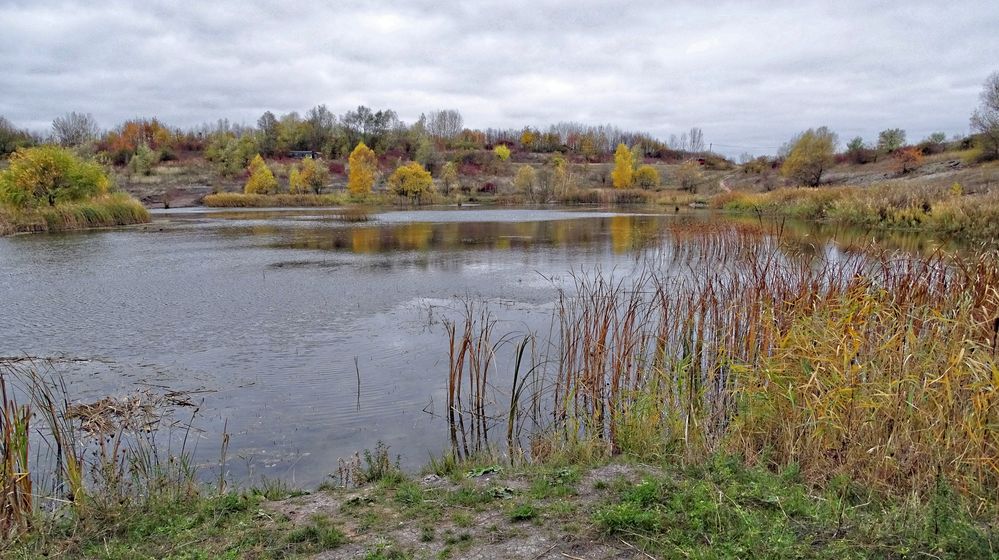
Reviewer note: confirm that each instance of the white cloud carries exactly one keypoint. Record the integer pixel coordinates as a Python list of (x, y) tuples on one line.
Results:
[(750, 74)]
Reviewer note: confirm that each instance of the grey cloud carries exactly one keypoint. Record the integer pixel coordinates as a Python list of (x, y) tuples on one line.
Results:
[(750, 74)]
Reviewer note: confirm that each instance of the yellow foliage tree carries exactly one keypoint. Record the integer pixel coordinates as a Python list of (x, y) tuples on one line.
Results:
[(310, 177), (296, 185), (809, 155), (527, 139), (261, 179), (49, 175), (623, 172), (411, 180), (363, 166), (525, 179), (647, 177), (449, 176)]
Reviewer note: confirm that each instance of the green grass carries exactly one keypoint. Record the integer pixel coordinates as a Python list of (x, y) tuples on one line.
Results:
[(721, 509), (106, 211), (718, 508), (319, 534)]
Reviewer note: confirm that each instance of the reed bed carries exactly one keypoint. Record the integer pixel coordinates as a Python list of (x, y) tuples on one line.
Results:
[(241, 200), (889, 205), (876, 366), (105, 211)]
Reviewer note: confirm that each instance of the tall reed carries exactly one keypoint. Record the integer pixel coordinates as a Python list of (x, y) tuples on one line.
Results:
[(878, 366), (97, 459)]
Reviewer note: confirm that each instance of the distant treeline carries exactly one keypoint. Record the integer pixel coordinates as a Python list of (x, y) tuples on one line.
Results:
[(335, 136)]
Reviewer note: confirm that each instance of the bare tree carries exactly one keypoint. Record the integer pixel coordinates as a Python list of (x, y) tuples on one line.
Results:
[(985, 119), (696, 140), (74, 129), (444, 124)]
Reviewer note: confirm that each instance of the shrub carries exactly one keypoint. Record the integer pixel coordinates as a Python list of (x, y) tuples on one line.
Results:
[(310, 176), (143, 160), (502, 152), (261, 179), (647, 177), (907, 159), (411, 180)]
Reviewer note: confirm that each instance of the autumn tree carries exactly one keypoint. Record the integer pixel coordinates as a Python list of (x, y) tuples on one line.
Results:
[(449, 176), (527, 139), (809, 155), (362, 168), (688, 175), (623, 172), (502, 152), (309, 177), (561, 175), (525, 179), (411, 180), (74, 129), (647, 177), (50, 175), (890, 140), (906, 159), (261, 179), (985, 119), (122, 143), (230, 154)]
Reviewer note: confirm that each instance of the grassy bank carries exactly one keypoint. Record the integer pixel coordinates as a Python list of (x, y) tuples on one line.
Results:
[(105, 211), (889, 205), (611, 509)]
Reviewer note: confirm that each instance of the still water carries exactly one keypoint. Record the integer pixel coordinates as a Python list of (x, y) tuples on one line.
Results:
[(272, 317)]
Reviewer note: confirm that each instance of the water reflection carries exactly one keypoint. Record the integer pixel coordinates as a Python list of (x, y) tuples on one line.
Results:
[(624, 233), (266, 310)]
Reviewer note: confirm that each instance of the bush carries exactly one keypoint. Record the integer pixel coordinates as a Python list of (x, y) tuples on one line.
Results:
[(310, 176), (411, 180), (50, 175), (502, 152), (647, 177), (261, 179)]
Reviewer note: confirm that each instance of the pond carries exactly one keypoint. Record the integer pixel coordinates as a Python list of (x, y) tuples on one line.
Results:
[(306, 336)]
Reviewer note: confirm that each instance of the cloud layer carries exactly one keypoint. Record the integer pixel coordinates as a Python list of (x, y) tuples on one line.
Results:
[(749, 74)]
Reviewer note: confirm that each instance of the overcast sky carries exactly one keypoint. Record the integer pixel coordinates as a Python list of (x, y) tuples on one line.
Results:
[(750, 74)]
